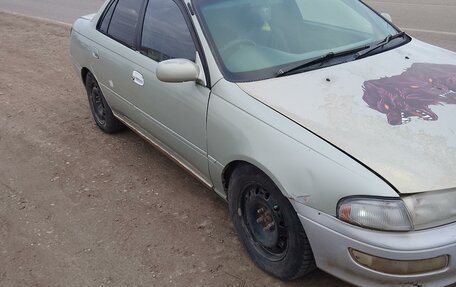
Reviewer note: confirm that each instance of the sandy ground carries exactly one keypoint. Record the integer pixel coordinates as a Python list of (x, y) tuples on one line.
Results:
[(81, 208)]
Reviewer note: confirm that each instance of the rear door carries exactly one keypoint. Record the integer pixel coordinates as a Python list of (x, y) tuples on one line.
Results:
[(115, 47), (137, 35)]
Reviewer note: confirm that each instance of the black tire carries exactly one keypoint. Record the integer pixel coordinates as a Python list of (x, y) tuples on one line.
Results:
[(268, 226), (101, 111)]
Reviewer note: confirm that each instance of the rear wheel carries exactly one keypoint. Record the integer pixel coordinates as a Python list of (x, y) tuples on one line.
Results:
[(268, 226), (101, 111)]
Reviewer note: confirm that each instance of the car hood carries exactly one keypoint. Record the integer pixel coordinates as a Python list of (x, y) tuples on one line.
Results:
[(394, 111)]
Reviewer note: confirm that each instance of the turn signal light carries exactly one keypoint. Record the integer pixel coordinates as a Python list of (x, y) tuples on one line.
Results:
[(399, 267)]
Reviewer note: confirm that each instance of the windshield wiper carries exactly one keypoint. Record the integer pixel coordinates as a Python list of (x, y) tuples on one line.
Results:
[(379, 45), (319, 60)]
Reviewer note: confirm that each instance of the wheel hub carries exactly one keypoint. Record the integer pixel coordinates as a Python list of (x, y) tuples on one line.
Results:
[(265, 219)]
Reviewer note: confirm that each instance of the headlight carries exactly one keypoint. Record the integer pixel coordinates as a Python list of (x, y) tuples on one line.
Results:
[(375, 213), (431, 209)]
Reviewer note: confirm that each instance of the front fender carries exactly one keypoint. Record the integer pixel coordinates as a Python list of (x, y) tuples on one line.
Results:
[(303, 166)]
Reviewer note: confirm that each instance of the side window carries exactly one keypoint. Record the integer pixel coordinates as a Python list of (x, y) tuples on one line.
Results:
[(165, 33), (124, 21), (104, 23)]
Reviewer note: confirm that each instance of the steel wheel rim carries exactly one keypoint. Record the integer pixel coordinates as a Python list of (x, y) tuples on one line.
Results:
[(98, 104), (263, 219)]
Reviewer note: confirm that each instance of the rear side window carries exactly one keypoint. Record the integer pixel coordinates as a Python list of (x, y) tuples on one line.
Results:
[(165, 32), (124, 21), (104, 24)]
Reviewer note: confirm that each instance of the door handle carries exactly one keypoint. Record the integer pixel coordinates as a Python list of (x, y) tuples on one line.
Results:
[(137, 78)]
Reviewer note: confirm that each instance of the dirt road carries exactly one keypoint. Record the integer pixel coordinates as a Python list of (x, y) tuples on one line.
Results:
[(81, 208)]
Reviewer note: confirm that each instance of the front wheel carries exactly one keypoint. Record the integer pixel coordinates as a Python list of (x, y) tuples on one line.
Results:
[(267, 225)]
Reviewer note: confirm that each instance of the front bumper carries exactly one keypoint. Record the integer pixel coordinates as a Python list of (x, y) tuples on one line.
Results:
[(331, 240)]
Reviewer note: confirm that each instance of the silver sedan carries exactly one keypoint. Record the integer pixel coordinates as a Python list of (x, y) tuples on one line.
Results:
[(330, 132)]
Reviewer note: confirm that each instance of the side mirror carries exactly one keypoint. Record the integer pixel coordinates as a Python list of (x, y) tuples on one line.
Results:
[(387, 17), (177, 71)]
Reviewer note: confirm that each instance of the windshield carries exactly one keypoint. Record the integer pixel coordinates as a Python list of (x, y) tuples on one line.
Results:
[(252, 39)]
